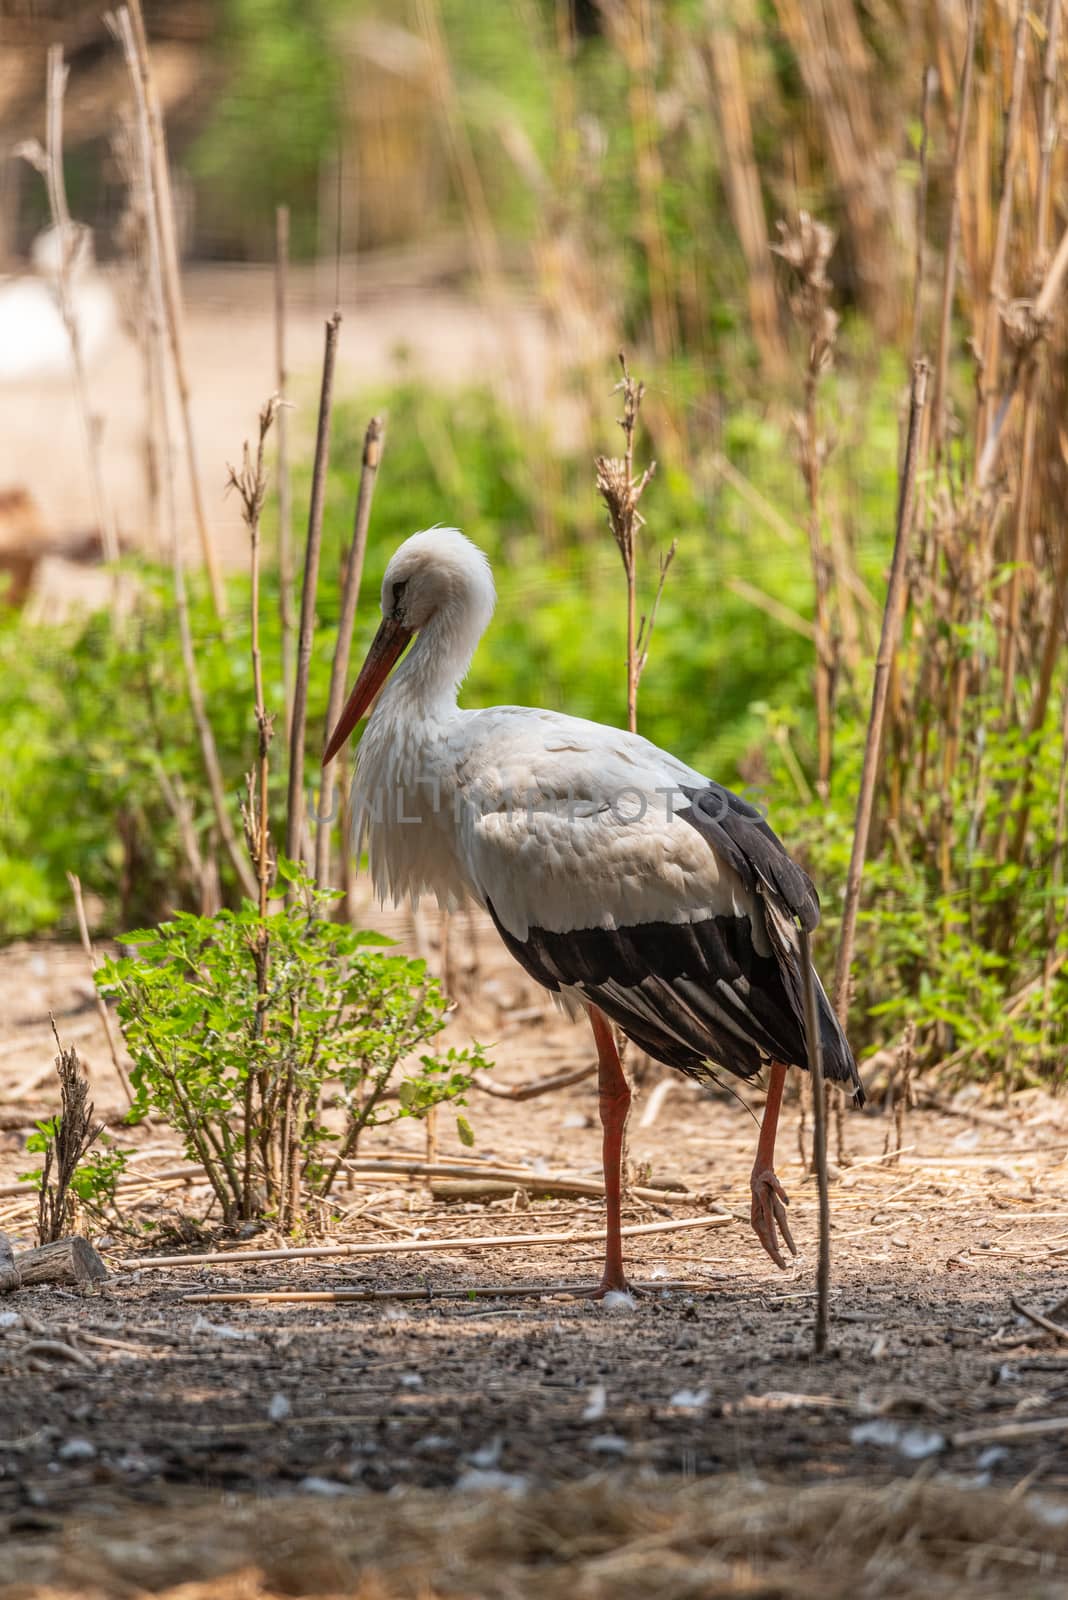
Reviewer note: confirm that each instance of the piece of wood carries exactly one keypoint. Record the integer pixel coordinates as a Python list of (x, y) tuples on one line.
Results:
[(493, 1291), (228, 1258), (67, 1261), (530, 1091), (10, 1277), (1058, 1330), (491, 1188), (522, 1175), (1006, 1432)]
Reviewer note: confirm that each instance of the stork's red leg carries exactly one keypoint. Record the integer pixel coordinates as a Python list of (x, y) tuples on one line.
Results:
[(768, 1212), (613, 1094)]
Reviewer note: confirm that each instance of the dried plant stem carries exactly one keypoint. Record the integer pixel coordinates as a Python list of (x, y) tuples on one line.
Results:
[(123, 28), (996, 291), (806, 248), (949, 274), (742, 179), (74, 1135), (929, 76), (888, 642), (101, 1003), (350, 594), (1048, 126), (163, 206), (295, 805), (285, 494), (621, 492), (51, 168), (251, 484)]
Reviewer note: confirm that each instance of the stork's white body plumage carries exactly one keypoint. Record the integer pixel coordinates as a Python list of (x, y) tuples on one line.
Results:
[(621, 878)]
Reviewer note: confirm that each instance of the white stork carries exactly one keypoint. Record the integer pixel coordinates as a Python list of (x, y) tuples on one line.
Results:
[(621, 879)]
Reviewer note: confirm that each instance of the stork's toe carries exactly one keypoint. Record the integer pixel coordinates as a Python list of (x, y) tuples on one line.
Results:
[(768, 1215)]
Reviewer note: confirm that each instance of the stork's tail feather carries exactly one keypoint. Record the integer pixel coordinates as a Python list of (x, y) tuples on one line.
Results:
[(838, 1063)]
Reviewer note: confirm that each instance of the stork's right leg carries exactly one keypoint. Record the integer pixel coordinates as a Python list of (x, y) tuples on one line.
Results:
[(613, 1093), (768, 1214)]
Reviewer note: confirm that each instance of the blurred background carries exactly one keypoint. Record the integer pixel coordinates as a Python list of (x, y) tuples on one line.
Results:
[(774, 208)]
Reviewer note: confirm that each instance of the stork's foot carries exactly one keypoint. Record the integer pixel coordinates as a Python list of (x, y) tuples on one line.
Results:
[(768, 1214), (611, 1283)]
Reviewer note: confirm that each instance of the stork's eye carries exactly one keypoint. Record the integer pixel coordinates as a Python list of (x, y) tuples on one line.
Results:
[(398, 594)]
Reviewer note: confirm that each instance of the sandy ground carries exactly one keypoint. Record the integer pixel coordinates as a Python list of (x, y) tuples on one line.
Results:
[(933, 1378), (393, 324)]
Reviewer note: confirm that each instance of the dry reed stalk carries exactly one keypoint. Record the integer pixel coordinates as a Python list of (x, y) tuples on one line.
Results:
[(163, 206), (251, 485), (101, 1003), (621, 492), (285, 493), (1047, 137), (71, 240), (996, 292), (295, 802), (137, 320), (929, 78), (742, 179), (949, 273), (122, 28), (838, 73), (629, 24), (807, 249), (888, 644), (350, 595)]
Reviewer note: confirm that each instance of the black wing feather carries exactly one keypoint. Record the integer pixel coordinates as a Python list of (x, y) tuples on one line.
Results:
[(699, 992)]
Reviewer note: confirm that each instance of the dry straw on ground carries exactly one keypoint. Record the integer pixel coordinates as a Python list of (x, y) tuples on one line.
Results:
[(603, 1539)]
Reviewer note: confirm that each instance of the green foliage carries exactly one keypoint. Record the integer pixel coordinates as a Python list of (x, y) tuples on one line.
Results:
[(237, 1023), (963, 960)]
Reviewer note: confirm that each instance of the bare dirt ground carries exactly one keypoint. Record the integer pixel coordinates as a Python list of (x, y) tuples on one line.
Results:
[(533, 1440)]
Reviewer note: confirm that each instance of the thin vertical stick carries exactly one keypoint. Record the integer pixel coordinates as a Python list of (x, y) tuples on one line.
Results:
[(57, 199), (123, 28), (949, 277), (1049, 131), (888, 642), (819, 1142), (921, 216), (372, 454), (172, 290), (996, 290), (285, 494), (101, 1003), (295, 804)]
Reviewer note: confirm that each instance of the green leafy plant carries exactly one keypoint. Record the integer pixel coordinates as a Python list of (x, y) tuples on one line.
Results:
[(243, 1073)]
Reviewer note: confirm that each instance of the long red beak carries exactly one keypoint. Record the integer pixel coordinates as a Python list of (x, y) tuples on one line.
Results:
[(387, 646)]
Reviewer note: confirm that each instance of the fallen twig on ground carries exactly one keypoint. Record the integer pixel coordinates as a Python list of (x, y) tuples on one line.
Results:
[(496, 1291), (502, 1241), (530, 1091), (1058, 1330)]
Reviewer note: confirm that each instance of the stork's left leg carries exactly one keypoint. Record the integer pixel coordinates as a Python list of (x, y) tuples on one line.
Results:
[(613, 1093), (768, 1212)]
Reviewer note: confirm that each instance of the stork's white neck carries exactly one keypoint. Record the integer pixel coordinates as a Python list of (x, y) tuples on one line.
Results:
[(424, 686)]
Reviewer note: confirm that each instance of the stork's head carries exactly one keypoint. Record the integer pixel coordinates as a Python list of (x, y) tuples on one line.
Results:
[(439, 583)]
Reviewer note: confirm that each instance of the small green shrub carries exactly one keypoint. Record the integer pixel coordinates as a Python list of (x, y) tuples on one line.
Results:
[(242, 1073)]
